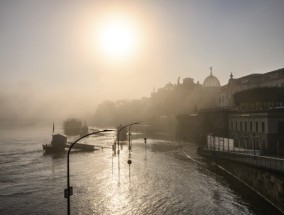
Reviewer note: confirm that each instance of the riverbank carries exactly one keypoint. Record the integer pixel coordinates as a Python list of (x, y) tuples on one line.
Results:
[(266, 182)]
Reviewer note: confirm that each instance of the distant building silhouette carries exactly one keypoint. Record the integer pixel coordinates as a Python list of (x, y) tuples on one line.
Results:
[(269, 79), (211, 89), (249, 110)]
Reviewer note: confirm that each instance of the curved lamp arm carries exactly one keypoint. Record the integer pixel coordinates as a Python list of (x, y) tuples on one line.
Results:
[(135, 123), (89, 134), (69, 191)]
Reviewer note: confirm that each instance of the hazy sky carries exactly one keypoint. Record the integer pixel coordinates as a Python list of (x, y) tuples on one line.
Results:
[(51, 63)]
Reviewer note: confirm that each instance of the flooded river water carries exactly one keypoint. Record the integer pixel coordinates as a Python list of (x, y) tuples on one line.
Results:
[(161, 180)]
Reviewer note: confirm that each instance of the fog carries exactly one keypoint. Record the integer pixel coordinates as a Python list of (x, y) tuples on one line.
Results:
[(52, 66)]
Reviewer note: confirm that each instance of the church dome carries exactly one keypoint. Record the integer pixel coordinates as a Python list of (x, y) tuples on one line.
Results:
[(211, 81)]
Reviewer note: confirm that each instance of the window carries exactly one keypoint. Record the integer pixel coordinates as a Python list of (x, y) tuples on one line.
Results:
[(246, 126), (241, 126), (232, 126), (250, 126), (263, 145), (256, 126), (262, 127), (236, 125), (280, 127)]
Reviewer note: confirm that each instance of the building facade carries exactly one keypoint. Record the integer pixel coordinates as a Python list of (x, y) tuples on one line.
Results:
[(249, 110), (269, 79), (257, 120)]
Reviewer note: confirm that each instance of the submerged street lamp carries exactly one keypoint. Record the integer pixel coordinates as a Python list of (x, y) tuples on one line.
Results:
[(129, 137), (69, 190), (135, 123), (120, 129), (145, 141)]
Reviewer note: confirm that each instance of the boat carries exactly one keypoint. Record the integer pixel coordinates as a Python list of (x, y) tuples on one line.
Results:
[(72, 127), (84, 130), (83, 147), (57, 145)]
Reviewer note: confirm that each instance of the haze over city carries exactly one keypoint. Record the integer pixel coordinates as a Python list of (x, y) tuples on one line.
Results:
[(60, 59)]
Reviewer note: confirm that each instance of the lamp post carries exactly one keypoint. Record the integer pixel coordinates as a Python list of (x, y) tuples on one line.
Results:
[(145, 141), (129, 140), (120, 129), (69, 190), (129, 137)]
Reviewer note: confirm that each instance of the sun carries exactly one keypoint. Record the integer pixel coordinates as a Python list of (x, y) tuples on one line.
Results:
[(117, 38)]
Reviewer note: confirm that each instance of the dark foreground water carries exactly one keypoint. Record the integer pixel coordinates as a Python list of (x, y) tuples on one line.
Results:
[(161, 180)]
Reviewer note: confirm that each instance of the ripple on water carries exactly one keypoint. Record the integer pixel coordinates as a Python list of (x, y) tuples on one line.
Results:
[(162, 181)]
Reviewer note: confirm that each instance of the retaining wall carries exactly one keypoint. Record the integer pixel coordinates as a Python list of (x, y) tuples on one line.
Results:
[(268, 182)]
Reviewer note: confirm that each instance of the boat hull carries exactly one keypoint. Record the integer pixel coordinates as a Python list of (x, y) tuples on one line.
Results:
[(50, 149)]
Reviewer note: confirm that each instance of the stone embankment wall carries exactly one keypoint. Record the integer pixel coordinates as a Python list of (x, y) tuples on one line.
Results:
[(269, 184)]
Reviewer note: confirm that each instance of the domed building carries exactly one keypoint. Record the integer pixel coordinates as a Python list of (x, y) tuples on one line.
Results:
[(211, 81), (210, 91)]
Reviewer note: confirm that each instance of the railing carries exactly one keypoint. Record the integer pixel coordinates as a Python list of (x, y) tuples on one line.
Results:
[(270, 163)]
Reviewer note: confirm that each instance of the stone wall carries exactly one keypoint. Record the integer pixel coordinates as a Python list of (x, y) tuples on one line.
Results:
[(267, 183)]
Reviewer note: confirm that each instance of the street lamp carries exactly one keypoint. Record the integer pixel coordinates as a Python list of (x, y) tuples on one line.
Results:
[(69, 190), (129, 136), (129, 139), (145, 141), (120, 129)]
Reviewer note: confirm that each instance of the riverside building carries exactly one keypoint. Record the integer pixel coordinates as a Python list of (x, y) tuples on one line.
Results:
[(249, 110)]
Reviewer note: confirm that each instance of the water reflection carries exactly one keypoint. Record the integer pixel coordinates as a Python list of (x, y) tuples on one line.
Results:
[(167, 182)]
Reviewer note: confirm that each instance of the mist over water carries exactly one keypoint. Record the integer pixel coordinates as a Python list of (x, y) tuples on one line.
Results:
[(53, 68), (161, 180)]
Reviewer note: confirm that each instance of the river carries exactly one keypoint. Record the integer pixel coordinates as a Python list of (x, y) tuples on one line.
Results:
[(162, 179)]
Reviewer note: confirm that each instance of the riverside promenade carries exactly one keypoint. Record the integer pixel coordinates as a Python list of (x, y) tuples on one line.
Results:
[(269, 163), (264, 175)]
